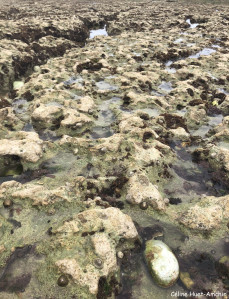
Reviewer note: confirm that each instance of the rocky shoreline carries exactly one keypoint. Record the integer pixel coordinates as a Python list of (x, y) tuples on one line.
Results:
[(109, 141)]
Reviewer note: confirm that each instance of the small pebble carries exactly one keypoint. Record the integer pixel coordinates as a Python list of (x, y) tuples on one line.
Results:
[(98, 263), (128, 197), (166, 200), (161, 121), (117, 191), (97, 198), (76, 151), (7, 203), (144, 205), (120, 254), (37, 68), (62, 281)]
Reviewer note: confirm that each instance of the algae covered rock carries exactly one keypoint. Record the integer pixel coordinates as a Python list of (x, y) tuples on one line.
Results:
[(141, 190), (103, 229), (162, 263), (207, 214), (27, 145)]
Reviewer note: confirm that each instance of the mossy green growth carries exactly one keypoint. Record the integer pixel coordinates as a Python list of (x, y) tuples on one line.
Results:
[(224, 259), (186, 279)]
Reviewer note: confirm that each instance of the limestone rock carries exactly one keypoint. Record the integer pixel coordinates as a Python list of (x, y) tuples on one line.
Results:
[(179, 134), (26, 145), (195, 116), (108, 227), (47, 116), (141, 190), (207, 214), (38, 194)]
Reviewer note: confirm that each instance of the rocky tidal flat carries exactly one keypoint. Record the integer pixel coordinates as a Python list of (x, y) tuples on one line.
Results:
[(114, 149)]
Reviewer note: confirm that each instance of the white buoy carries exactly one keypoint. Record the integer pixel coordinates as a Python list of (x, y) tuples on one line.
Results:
[(162, 263)]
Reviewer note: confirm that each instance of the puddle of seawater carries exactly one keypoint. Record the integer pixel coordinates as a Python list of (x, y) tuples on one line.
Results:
[(190, 179), (156, 93), (171, 70), (64, 162), (190, 45), (215, 120), (216, 46), (47, 135), (20, 106), (223, 91), (169, 62), (28, 128), (153, 112), (111, 77), (106, 117), (73, 80), (181, 112), (213, 77), (102, 31), (203, 130), (166, 86), (223, 144), (77, 97), (102, 85), (11, 171), (192, 25), (54, 104), (17, 274), (137, 54), (101, 132), (179, 40), (184, 33), (204, 52)]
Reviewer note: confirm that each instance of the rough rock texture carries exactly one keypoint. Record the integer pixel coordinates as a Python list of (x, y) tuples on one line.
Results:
[(141, 190), (93, 131), (26, 145), (36, 193), (207, 214), (106, 228)]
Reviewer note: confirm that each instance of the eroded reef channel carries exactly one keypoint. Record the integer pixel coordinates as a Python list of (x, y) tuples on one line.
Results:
[(114, 131)]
